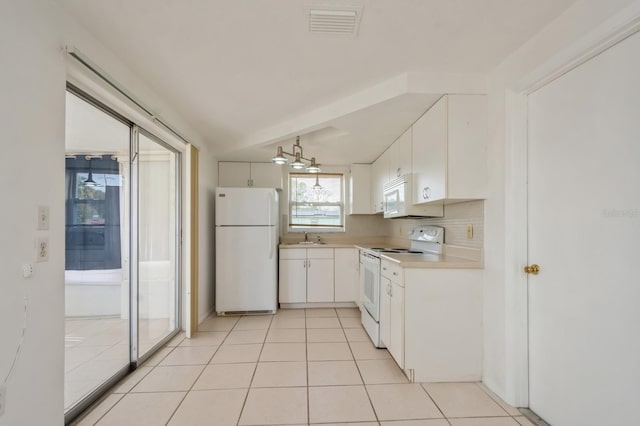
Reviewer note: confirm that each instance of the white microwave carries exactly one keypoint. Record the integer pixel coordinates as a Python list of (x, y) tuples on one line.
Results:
[(397, 201)]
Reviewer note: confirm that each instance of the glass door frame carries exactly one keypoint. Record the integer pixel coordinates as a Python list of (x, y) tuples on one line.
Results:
[(136, 131)]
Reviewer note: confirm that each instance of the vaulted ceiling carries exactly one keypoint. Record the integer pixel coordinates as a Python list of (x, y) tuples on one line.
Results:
[(248, 74)]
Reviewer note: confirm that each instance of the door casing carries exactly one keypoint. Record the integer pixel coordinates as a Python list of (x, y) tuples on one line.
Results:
[(609, 33)]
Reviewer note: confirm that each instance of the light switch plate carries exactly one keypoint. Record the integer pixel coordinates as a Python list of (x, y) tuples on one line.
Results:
[(43, 218)]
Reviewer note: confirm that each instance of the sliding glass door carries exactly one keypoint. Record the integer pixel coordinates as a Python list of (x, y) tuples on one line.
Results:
[(122, 285), (157, 167), (97, 235)]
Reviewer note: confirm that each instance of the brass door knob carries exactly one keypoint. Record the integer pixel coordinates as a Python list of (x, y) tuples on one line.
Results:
[(533, 269)]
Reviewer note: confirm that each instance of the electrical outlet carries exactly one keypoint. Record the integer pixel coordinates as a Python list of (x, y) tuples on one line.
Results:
[(42, 248), (470, 231), (43, 218), (3, 398)]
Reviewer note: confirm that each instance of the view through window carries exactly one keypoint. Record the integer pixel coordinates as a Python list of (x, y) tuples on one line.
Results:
[(316, 200)]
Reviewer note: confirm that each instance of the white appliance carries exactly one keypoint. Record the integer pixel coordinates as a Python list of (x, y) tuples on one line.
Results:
[(246, 250), (397, 201), (424, 240)]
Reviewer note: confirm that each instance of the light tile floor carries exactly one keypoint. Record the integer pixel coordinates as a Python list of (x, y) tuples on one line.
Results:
[(96, 348), (298, 367)]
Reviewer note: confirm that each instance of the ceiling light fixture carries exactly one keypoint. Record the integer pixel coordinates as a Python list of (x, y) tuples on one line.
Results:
[(299, 159), (317, 187)]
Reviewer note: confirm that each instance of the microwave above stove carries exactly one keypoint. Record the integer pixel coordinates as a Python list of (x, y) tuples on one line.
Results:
[(398, 201)]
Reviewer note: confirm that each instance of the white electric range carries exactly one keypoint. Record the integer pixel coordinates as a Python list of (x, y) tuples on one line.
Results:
[(424, 240)]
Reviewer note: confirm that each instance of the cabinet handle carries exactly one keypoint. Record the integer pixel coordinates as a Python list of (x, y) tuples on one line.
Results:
[(426, 193), (384, 269), (398, 174), (309, 263), (395, 273)]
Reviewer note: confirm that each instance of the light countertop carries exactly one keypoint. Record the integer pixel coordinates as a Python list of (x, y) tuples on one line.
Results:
[(454, 257)]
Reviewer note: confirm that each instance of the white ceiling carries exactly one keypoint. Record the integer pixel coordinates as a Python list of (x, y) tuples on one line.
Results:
[(243, 72)]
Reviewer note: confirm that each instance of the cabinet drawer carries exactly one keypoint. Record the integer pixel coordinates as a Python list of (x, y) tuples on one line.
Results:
[(320, 253), (293, 253), (393, 271)]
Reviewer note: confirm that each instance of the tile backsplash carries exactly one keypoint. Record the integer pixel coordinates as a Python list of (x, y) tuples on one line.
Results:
[(455, 221)]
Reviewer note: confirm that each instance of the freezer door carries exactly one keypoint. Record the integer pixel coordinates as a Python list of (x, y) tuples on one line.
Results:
[(246, 206), (246, 268)]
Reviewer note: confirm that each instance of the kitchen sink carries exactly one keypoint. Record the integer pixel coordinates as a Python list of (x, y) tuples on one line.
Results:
[(306, 243)]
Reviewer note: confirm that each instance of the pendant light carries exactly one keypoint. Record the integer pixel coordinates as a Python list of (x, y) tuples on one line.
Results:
[(298, 157), (89, 181), (317, 187)]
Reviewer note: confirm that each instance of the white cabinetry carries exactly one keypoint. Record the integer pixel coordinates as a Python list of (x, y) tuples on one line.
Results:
[(443, 324), (293, 276), (379, 177), (360, 189), (235, 174), (400, 156), (307, 275), (392, 317), (320, 275), (347, 266), (449, 150), (431, 321)]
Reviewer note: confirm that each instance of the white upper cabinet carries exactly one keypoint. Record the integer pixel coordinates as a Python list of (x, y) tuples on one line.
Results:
[(449, 150), (266, 175), (235, 174), (360, 189), (379, 177), (400, 156)]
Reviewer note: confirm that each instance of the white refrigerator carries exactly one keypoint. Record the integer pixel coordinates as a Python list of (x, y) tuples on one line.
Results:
[(246, 250)]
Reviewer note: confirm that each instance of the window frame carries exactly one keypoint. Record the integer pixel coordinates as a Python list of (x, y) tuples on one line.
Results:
[(311, 227)]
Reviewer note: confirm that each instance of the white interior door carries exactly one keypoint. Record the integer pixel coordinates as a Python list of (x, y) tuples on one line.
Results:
[(584, 232)]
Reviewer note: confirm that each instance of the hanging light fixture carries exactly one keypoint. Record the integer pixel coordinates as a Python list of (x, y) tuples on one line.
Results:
[(299, 158), (317, 187), (89, 181)]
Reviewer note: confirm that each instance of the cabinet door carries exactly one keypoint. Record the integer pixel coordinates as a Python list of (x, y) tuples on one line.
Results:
[(429, 158), (266, 175), (293, 281), (233, 174), (360, 189), (400, 156), (320, 280), (346, 274), (380, 176), (385, 311), (396, 332)]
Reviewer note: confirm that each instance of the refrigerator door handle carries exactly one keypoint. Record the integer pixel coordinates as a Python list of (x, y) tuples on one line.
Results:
[(271, 200)]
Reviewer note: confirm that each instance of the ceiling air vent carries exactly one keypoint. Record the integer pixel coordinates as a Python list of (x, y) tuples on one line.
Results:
[(334, 20)]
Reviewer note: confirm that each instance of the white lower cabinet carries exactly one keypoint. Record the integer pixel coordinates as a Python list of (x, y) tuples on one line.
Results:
[(317, 275), (319, 279), (293, 272), (431, 321), (347, 267), (392, 310)]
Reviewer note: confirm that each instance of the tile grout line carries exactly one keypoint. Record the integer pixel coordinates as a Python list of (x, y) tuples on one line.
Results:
[(136, 384), (246, 397), (198, 377), (375, 413)]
